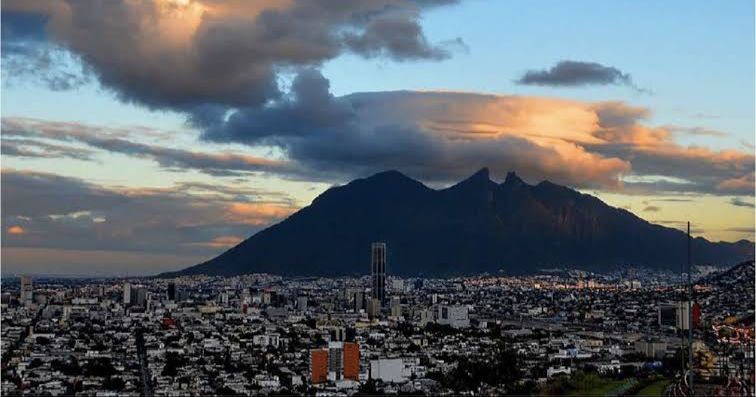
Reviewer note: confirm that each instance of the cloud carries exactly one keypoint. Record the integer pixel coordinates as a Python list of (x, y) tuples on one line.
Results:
[(742, 184), (673, 200), (652, 208), (577, 73), (748, 230), (15, 229), (442, 136), (432, 136), (395, 37), (738, 202), (186, 54), (38, 149), (697, 131), (23, 133), (57, 212)]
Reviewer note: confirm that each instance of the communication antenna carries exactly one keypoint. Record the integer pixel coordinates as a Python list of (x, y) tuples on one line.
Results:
[(690, 317)]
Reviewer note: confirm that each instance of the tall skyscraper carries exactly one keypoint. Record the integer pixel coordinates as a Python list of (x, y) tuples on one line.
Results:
[(172, 291), (27, 293), (378, 272), (335, 358), (126, 294)]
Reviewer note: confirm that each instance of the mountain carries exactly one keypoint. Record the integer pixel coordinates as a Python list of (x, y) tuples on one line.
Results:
[(738, 276), (473, 227)]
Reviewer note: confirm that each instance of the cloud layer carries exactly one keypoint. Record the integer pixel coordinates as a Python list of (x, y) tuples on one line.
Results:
[(442, 136), (50, 211), (183, 54)]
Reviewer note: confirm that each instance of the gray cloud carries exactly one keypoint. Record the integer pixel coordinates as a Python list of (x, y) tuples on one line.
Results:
[(224, 53), (738, 202), (577, 73), (395, 37), (439, 136), (342, 137), (60, 212), (651, 208), (697, 131), (38, 149), (218, 164)]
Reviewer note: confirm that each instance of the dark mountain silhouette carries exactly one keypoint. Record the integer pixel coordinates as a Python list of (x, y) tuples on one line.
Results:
[(473, 227)]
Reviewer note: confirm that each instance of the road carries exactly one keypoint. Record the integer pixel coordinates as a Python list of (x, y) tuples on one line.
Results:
[(144, 371)]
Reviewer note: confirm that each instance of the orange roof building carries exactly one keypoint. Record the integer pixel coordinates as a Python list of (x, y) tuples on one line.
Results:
[(319, 366), (351, 361)]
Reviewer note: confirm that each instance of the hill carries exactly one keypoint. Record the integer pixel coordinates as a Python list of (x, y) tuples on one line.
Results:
[(473, 227)]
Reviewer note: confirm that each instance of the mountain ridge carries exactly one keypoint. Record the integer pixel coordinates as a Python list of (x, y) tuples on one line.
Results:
[(475, 226)]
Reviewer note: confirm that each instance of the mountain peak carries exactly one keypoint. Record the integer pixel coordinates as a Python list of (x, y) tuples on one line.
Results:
[(482, 174), (513, 180), (479, 179)]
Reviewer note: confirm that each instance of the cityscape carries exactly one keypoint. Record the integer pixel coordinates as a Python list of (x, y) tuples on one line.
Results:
[(377, 197), (560, 331)]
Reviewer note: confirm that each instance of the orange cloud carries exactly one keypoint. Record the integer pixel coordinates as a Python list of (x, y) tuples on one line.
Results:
[(258, 213), (744, 183), (221, 242), (15, 229)]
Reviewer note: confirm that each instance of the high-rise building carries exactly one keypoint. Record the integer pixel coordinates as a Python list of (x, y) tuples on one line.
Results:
[(359, 301), (378, 272), (138, 296), (335, 358), (172, 291), (126, 294), (27, 294), (676, 315), (351, 361), (318, 365)]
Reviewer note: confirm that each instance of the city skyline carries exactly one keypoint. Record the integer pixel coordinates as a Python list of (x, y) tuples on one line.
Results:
[(158, 150)]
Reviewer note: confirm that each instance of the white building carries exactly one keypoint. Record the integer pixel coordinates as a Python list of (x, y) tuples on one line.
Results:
[(454, 315), (388, 370), (126, 293)]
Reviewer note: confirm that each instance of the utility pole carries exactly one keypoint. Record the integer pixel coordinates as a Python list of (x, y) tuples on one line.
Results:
[(690, 318)]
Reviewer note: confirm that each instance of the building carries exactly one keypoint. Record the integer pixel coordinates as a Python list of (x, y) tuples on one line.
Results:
[(302, 302), (374, 308), (126, 294), (172, 291), (651, 348), (387, 370), (351, 361), (335, 359), (138, 296), (359, 301), (338, 334), (676, 315), (667, 315), (318, 365), (454, 315), (27, 292), (378, 272)]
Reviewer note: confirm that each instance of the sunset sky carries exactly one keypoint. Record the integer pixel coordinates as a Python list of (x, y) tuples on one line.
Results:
[(144, 136)]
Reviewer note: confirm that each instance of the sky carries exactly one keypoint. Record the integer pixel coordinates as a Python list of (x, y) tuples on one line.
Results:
[(140, 136)]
